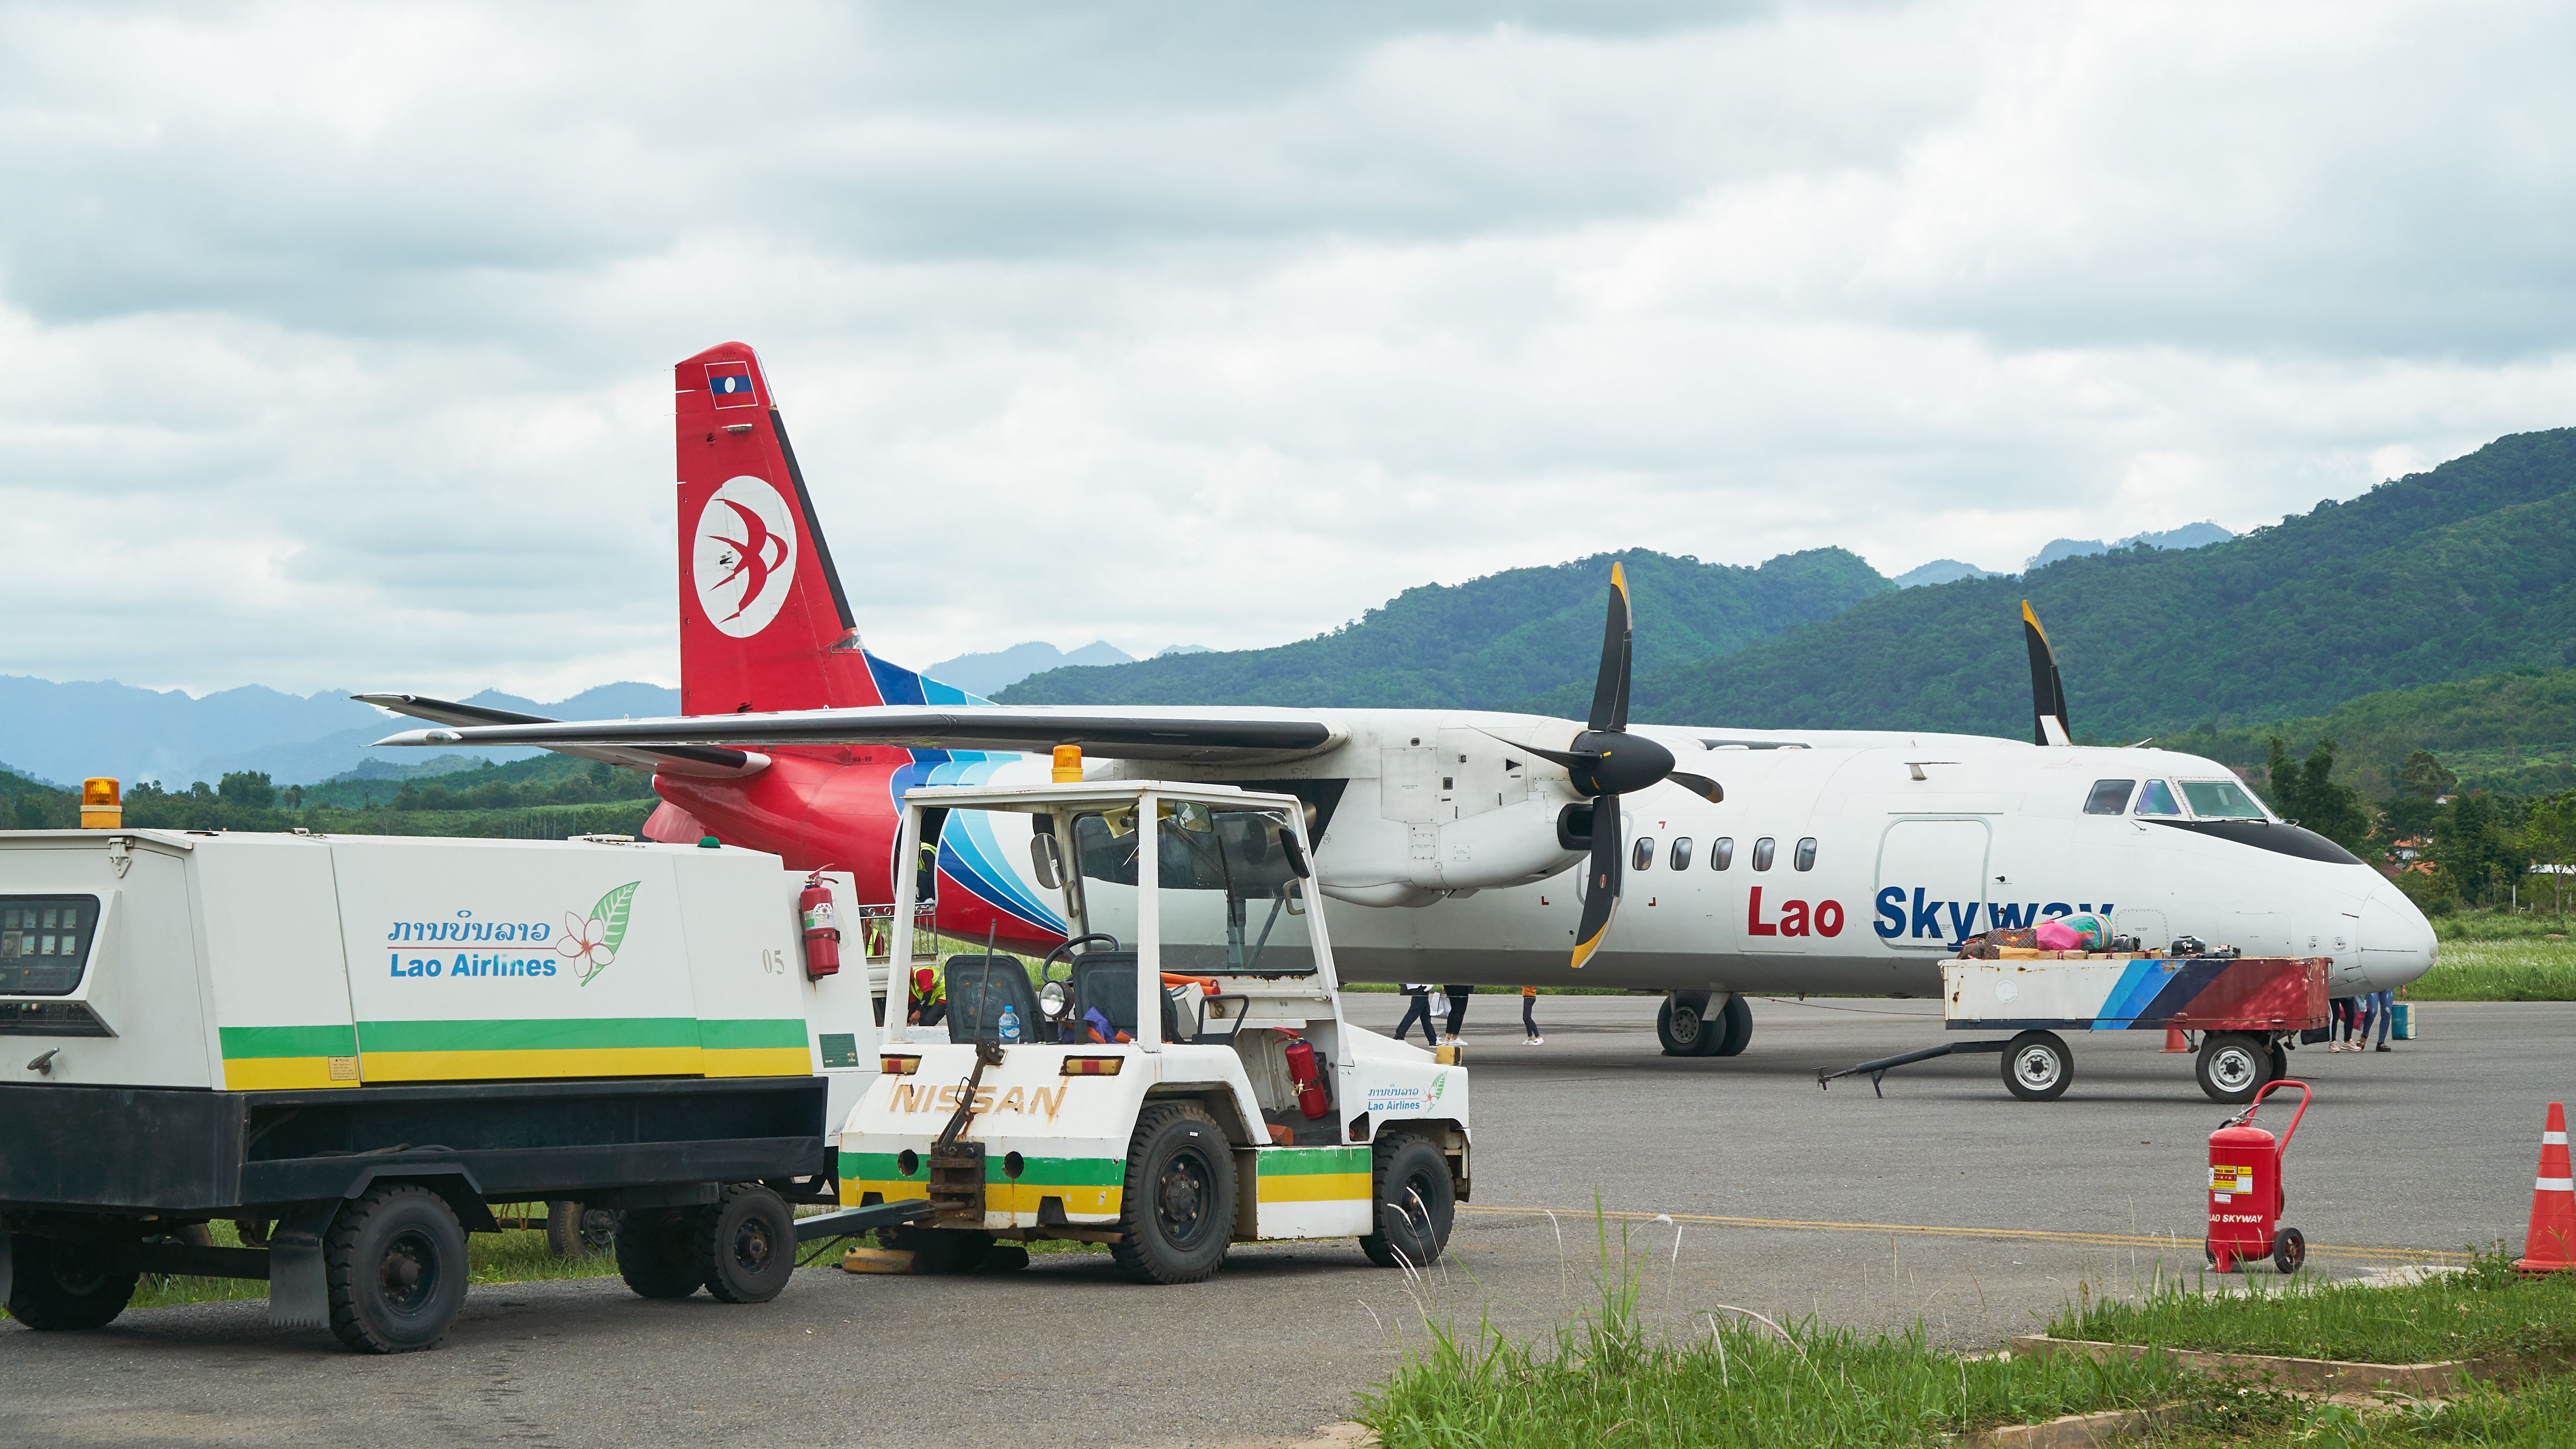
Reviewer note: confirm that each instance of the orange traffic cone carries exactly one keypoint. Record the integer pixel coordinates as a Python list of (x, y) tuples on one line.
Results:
[(2550, 1246), (2175, 1041)]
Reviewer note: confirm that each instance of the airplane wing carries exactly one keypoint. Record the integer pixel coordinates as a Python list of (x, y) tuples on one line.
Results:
[(682, 760), (1204, 736)]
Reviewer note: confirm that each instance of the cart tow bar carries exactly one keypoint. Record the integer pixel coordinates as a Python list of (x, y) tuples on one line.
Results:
[(1879, 1069)]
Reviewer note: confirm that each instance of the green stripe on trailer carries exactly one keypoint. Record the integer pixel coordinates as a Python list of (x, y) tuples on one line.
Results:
[(251, 1043), (1034, 1171), (1301, 1161), (596, 1033)]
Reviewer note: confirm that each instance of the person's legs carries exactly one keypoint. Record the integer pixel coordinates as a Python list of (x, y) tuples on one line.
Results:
[(1419, 1005), (1529, 1016), (2386, 1002), (1457, 1007)]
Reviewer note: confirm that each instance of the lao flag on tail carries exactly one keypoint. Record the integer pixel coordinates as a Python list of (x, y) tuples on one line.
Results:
[(731, 385)]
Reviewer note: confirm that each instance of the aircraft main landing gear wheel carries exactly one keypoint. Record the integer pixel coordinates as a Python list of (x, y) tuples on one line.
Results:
[(1683, 1027), (2038, 1067), (59, 1283), (1736, 1027), (1414, 1199), (2233, 1067), (1176, 1216)]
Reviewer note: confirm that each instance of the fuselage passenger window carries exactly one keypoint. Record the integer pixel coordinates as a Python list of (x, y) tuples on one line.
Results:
[(1762, 852), (2157, 799), (1642, 855), (2109, 797), (1681, 852), (1806, 857), (1722, 854)]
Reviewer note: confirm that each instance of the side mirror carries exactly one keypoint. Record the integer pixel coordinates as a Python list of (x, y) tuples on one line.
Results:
[(1292, 894), (1051, 1000), (1296, 854), (1043, 859)]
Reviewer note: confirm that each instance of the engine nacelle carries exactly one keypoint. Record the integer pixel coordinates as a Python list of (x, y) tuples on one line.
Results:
[(1401, 864)]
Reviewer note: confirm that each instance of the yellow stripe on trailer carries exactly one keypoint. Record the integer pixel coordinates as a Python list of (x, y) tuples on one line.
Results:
[(278, 1074), (1314, 1186), (589, 1062), (756, 1061)]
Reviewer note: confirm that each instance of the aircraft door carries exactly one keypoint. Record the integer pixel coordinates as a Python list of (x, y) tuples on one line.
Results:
[(1931, 884)]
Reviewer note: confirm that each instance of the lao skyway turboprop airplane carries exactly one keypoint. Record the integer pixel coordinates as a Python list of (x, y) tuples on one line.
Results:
[(1717, 860)]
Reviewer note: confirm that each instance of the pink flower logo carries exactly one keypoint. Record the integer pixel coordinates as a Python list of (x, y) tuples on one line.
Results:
[(586, 941)]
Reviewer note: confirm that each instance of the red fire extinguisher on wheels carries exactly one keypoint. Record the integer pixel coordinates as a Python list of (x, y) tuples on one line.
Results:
[(822, 928), (2245, 1190)]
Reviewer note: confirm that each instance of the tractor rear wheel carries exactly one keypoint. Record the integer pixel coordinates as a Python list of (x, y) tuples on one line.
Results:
[(1176, 1215), (1414, 1201)]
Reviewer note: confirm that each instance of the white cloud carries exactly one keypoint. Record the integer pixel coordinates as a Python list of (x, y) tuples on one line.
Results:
[(332, 340)]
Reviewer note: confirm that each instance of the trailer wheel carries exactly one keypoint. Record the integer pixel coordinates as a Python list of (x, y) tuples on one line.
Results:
[(574, 1230), (2038, 1067), (657, 1252), (747, 1244), (1737, 1024), (1176, 1215), (61, 1283), (1682, 1026), (1414, 1200), (2232, 1067), (395, 1261), (2289, 1250)]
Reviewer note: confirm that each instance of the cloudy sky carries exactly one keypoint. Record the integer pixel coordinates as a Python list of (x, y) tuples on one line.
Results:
[(334, 340)]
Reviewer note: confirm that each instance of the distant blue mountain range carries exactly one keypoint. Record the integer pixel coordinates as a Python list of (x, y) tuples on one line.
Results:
[(63, 732)]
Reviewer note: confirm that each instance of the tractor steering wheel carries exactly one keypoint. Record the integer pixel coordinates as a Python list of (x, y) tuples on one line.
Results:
[(1064, 952)]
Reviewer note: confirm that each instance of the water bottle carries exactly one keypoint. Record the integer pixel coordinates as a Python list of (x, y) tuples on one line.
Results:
[(1009, 1025)]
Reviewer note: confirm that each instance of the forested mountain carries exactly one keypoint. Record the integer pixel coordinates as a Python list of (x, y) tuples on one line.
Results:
[(2466, 570), (1494, 642), (2510, 732)]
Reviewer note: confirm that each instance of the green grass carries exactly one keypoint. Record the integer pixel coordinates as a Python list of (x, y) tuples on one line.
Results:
[(2501, 926), (516, 1255), (2540, 1414), (1731, 1381), (2487, 1309), (2531, 968)]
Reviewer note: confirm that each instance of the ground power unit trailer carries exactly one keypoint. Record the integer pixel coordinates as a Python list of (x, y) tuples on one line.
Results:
[(354, 1046)]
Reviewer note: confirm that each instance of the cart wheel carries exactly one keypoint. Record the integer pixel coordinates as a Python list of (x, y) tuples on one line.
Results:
[(2289, 1250), (1176, 1215), (60, 1283), (2038, 1067), (395, 1261), (1683, 1028), (747, 1244), (656, 1252), (1414, 1200), (2232, 1067)]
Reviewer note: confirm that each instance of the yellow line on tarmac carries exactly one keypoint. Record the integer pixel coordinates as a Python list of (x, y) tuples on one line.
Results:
[(2032, 1235)]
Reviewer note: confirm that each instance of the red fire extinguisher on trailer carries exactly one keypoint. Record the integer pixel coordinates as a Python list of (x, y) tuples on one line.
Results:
[(1302, 1078), (2245, 1190), (822, 928)]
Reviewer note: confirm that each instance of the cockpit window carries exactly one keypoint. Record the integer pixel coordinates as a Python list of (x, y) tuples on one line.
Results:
[(2221, 800), (2109, 797), (2158, 799)]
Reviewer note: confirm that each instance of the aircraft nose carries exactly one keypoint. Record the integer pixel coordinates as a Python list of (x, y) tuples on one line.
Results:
[(2397, 943)]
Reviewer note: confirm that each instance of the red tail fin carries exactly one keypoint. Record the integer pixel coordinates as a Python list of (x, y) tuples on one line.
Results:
[(763, 622)]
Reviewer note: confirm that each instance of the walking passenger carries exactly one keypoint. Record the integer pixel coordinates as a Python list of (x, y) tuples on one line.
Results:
[(1457, 1008), (2345, 1009), (1529, 1016), (2381, 1005), (1419, 1006)]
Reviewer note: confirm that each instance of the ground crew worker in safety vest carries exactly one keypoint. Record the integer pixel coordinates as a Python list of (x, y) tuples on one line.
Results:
[(927, 1002)]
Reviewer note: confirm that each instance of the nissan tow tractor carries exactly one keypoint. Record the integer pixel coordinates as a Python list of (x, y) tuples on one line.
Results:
[(1178, 1078)]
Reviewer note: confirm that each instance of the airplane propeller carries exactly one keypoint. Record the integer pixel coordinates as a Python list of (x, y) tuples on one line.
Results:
[(2048, 718), (1606, 762)]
